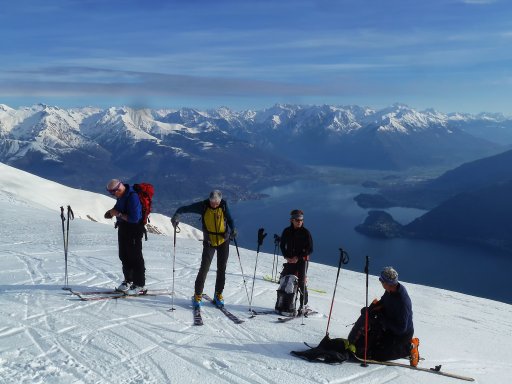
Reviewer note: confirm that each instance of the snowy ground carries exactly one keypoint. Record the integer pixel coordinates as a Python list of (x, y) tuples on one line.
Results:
[(49, 336)]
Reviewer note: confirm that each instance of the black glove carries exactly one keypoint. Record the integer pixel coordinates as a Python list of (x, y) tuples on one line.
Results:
[(232, 235), (108, 215), (175, 220)]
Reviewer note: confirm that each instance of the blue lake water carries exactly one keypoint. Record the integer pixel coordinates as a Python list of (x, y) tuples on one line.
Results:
[(331, 215)]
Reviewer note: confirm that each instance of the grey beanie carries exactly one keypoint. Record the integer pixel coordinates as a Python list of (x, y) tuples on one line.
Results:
[(113, 184), (215, 196), (296, 214), (389, 276)]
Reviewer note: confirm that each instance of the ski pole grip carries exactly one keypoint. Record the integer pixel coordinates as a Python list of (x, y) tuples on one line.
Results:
[(261, 235), (343, 257)]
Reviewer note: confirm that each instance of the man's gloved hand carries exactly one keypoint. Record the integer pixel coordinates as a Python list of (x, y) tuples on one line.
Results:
[(233, 234), (175, 220), (108, 214)]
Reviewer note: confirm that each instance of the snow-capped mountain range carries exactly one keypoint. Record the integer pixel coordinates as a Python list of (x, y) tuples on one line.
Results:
[(83, 147)]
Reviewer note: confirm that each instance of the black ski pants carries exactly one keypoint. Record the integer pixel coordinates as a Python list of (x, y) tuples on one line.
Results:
[(383, 345), (299, 269), (129, 237), (206, 260)]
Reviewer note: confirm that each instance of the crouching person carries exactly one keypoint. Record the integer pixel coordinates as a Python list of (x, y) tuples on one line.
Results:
[(390, 330), (390, 324)]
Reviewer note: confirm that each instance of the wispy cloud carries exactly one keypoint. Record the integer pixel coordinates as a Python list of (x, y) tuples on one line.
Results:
[(479, 1), (80, 81), (265, 50)]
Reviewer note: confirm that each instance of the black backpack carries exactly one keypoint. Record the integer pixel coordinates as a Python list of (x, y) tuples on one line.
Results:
[(286, 302)]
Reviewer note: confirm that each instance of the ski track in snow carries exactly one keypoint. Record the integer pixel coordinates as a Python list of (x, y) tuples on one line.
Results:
[(48, 335)]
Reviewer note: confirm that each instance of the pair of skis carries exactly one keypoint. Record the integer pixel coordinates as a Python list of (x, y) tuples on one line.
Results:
[(198, 319), (113, 294), (309, 313)]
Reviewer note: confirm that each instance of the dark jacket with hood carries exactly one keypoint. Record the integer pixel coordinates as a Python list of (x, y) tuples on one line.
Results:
[(296, 242)]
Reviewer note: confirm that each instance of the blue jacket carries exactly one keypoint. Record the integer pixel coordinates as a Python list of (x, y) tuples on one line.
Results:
[(130, 204), (397, 311)]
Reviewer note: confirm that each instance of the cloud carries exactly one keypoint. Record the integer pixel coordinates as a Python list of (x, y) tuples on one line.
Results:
[(478, 1), (82, 81)]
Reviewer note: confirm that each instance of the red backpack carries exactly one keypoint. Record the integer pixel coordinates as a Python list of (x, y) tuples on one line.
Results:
[(145, 192)]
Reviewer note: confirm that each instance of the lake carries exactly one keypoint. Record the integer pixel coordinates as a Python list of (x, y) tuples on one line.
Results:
[(330, 213)]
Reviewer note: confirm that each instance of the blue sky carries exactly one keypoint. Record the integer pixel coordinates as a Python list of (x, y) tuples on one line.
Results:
[(451, 55)]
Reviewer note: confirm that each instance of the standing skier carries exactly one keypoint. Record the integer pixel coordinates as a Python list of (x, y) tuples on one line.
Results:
[(128, 214), (296, 247), (218, 227), (390, 325)]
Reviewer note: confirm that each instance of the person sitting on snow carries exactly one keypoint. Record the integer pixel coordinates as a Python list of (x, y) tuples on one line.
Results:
[(390, 330), (390, 323)]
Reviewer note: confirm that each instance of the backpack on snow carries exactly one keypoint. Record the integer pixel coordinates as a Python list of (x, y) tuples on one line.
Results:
[(287, 295)]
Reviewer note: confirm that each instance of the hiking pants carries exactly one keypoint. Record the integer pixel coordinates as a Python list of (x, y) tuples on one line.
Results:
[(206, 260), (382, 345), (299, 269), (129, 237)]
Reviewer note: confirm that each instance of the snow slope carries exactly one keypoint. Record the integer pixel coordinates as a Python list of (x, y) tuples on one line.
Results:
[(49, 336)]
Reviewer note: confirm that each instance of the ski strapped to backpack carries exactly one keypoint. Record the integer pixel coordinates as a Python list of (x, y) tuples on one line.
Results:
[(145, 191)]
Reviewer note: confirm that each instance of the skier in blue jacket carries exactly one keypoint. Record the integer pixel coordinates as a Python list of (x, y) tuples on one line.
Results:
[(128, 214)]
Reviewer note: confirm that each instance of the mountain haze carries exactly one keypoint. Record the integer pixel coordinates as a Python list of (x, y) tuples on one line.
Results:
[(470, 203)]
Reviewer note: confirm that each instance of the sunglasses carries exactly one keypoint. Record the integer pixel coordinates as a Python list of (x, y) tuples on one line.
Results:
[(114, 190), (298, 220)]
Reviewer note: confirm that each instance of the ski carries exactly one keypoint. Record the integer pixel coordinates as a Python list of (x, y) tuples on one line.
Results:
[(264, 312), (198, 319), (436, 370), (117, 295), (87, 293), (269, 279), (288, 318), (235, 319)]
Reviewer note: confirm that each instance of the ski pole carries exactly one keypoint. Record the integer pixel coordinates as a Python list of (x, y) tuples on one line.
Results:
[(261, 236), (277, 240), (242, 269), (176, 230), (63, 219), (366, 269), (343, 260), (70, 216), (303, 306)]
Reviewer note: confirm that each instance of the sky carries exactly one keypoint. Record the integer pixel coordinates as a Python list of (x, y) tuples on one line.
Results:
[(47, 335), (450, 55)]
